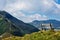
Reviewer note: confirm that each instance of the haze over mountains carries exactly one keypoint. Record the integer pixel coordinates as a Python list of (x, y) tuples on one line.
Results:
[(55, 23)]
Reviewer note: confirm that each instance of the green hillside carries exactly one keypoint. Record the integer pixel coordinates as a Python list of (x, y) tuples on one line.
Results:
[(41, 35), (3, 26), (11, 24)]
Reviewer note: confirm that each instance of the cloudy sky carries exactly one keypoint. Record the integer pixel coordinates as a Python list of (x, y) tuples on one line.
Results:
[(30, 10)]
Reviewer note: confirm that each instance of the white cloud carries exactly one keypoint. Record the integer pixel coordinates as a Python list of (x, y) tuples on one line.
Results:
[(15, 6), (57, 11), (30, 6), (46, 5), (57, 5), (31, 18), (38, 17), (2, 4), (18, 14)]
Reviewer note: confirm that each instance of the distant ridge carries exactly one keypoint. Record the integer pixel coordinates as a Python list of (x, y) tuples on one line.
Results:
[(55, 23)]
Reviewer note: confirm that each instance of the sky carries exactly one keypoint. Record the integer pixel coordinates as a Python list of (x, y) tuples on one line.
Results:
[(30, 10)]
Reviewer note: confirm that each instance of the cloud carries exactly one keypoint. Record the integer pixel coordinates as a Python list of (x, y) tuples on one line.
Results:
[(2, 4), (31, 18), (29, 10), (17, 5), (57, 11), (20, 14), (57, 5), (29, 5), (46, 5), (38, 17)]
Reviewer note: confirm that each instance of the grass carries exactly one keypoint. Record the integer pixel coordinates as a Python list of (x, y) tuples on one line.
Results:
[(41, 35)]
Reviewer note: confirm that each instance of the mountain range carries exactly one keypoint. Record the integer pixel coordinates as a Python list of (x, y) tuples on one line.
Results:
[(10, 24), (55, 23)]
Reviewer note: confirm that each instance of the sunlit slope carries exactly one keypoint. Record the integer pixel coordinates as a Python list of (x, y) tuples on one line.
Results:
[(41, 35)]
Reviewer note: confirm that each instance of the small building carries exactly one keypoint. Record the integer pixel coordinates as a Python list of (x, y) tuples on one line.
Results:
[(47, 26)]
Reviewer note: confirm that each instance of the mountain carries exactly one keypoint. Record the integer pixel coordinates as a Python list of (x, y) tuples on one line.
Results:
[(10, 24), (55, 23)]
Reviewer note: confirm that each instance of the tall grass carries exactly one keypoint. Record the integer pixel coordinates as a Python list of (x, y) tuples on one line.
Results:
[(41, 35)]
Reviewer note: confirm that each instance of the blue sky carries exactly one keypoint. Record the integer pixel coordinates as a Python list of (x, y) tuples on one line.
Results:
[(30, 10), (57, 1)]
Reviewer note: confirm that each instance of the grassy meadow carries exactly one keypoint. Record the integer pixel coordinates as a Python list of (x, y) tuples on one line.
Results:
[(41, 35)]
